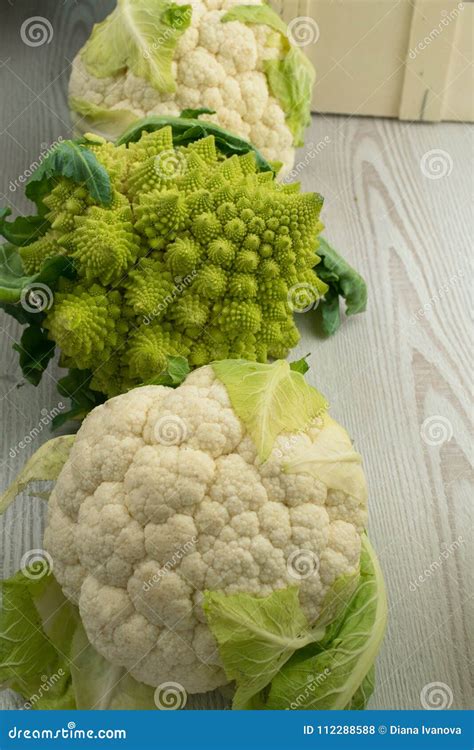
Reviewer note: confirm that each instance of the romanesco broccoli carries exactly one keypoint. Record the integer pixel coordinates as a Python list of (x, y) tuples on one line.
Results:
[(196, 255)]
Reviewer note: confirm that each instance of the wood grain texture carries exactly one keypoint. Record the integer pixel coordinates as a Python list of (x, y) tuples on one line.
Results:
[(385, 373)]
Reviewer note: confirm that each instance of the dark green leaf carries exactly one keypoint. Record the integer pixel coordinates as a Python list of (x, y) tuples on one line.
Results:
[(174, 374), (330, 313), (35, 351), (13, 280), (74, 160), (24, 229), (300, 365), (343, 281), (186, 131), (76, 387), (193, 114)]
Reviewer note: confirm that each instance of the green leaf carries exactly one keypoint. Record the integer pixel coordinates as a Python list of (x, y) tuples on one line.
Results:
[(74, 160), (46, 656), (109, 123), (141, 36), (24, 229), (174, 374), (343, 281), (291, 77), (361, 696), (36, 626), (332, 460), (186, 131), (269, 399), (329, 310), (339, 675), (256, 636), (100, 685), (258, 14), (13, 280), (193, 114), (35, 350), (44, 466), (291, 81), (300, 365), (76, 387)]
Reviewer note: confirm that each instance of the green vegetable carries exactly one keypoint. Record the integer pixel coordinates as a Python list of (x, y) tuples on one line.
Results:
[(183, 245), (343, 281), (269, 399), (291, 77), (139, 35)]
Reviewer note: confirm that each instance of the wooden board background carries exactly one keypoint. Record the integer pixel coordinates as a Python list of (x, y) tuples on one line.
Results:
[(385, 373)]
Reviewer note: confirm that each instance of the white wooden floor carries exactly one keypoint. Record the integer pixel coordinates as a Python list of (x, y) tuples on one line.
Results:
[(399, 377)]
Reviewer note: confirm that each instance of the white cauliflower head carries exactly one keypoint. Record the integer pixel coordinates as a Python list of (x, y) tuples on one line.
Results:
[(170, 493), (156, 57)]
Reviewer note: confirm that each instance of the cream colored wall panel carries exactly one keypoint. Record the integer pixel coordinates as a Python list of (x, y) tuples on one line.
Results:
[(410, 59)]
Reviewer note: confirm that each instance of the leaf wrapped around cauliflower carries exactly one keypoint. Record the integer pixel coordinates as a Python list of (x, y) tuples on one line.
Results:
[(234, 60)]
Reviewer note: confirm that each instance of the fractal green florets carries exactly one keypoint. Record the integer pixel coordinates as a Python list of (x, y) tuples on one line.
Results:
[(198, 255)]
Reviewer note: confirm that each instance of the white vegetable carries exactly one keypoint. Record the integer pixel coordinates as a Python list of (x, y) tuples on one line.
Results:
[(165, 496), (157, 57)]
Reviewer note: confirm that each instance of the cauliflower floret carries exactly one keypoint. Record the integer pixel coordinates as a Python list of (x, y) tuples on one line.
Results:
[(163, 497)]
